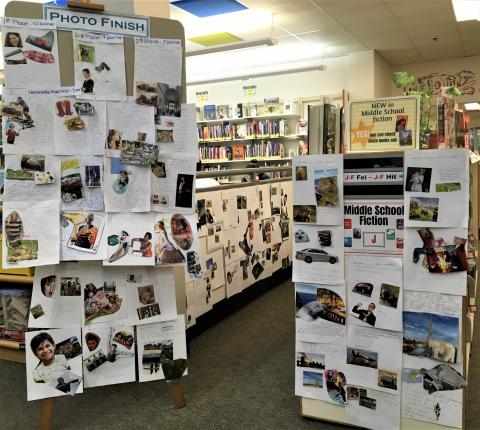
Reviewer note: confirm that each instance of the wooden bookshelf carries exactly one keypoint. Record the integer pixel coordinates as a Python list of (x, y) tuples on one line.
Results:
[(251, 118)]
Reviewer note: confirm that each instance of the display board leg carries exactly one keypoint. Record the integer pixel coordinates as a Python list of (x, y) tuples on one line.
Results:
[(176, 391), (46, 413)]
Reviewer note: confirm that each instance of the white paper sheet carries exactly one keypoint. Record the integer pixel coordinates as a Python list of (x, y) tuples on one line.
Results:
[(215, 269), (42, 379), (215, 237), (198, 299), (444, 268), (378, 411), (234, 276), (318, 189), (178, 135), (99, 58), (173, 184), (151, 295), (158, 343), (79, 126), (314, 262), (127, 187), (327, 380), (374, 226), (229, 208), (128, 121), (82, 235), (31, 233), (231, 250), (131, 240), (31, 113), (320, 313), (374, 357), (108, 354), (177, 243), (20, 174), (436, 188), (105, 297), (57, 296), (30, 52), (374, 290), (82, 183)]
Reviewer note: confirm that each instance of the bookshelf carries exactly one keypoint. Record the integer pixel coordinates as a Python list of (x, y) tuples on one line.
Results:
[(225, 137)]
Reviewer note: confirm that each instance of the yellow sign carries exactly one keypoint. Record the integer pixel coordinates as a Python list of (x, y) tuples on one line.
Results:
[(202, 96), (250, 90), (388, 124), (70, 164)]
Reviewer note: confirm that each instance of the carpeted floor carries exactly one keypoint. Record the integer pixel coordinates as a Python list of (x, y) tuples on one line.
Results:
[(241, 376)]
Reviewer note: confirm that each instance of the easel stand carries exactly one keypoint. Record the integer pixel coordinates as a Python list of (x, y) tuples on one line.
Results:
[(160, 28)]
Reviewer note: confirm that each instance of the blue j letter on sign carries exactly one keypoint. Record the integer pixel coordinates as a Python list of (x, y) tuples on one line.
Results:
[(125, 25)]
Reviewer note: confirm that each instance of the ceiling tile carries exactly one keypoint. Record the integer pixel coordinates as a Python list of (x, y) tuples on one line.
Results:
[(471, 48), (442, 51), (406, 7), (348, 12), (330, 37), (469, 31), (386, 41), (401, 56)]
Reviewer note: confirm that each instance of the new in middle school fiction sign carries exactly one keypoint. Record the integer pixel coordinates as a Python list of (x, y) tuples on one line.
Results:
[(388, 124)]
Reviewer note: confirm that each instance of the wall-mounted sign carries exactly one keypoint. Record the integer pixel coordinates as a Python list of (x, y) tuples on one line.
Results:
[(388, 124), (202, 96), (465, 81), (70, 19), (374, 177), (250, 90)]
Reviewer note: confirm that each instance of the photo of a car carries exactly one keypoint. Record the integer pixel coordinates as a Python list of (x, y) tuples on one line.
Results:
[(364, 288), (310, 254)]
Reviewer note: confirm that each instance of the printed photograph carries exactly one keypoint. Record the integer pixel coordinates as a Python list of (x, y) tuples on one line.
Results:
[(423, 209), (124, 338), (114, 138), (368, 402), (430, 335), (326, 188), (155, 354), (88, 83), (301, 173), (92, 340), (44, 178), (442, 378), (362, 357), (159, 170), (165, 251), (305, 213), (51, 366), (13, 40), (182, 232), (92, 176), (101, 301), (70, 286), (312, 379), (313, 303), (363, 288), (94, 361), (353, 393), (412, 376), (86, 232), (138, 153), (357, 233), (169, 100), (325, 237), (405, 137), (335, 382), (148, 311), (401, 122), (308, 359), (418, 179), (184, 191), (71, 188), (134, 278), (33, 163), (48, 286), (67, 383), (365, 312), (164, 136), (387, 379), (70, 348), (146, 295), (448, 187), (23, 250), (37, 311), (301, 236), (389, 295), (84, 108), (74, 123), (241, 202), (441, 255), (86, 53)]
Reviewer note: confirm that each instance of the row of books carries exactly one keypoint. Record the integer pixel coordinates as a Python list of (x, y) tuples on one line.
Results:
[(253, 129), (242, 152), (241, 110)]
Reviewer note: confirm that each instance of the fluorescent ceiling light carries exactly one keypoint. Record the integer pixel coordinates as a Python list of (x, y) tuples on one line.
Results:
[(231, 46), (259, 75), (472, 106), (466, 10)]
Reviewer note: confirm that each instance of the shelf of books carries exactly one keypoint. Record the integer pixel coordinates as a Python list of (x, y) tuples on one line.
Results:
[(268, 131)]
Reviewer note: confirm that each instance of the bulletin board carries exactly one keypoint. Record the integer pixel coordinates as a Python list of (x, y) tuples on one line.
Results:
[(160, 28), (367, 166)]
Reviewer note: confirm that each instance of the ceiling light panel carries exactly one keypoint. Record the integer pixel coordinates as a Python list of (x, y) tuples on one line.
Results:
[(466, 10), (206, 8)]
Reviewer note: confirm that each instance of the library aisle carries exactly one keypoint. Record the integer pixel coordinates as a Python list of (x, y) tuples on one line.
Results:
[(250, 385)]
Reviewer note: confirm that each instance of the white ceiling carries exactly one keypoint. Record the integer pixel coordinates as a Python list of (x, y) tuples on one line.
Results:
[(402, 31)]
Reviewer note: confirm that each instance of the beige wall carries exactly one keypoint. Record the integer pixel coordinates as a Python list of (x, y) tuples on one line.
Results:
[(382, 72), (157, 8)]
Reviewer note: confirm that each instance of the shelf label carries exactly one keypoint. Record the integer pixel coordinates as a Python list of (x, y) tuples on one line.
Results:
[(250, 90)]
